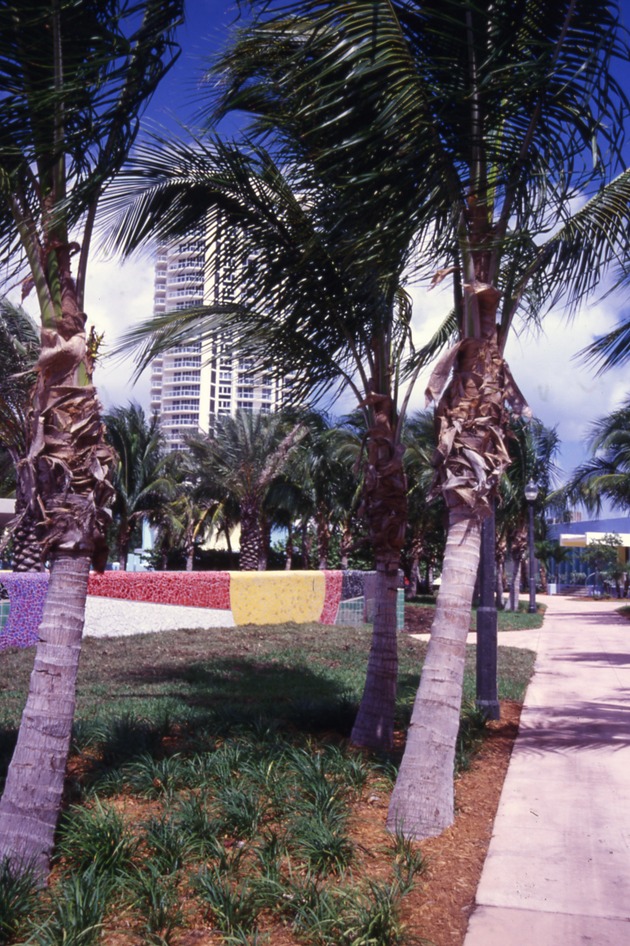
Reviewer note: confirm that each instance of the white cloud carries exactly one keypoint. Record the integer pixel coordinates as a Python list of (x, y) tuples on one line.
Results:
[(119, 295)]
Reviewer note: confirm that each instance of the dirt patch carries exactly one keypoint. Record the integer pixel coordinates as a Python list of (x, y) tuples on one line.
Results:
[(418, 620)]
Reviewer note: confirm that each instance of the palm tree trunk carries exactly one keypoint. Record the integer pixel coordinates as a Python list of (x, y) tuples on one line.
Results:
[(414, 571), (251, 538), (374, 724), (26, 547), (384, 506), (265, 541), (306, 545), (66, 476), (500, 574), (345, 546), (515, 581), (422, 801), (472, 418), (31, 801), (323, 536), (288, 565), (544, 585), (124, 539)]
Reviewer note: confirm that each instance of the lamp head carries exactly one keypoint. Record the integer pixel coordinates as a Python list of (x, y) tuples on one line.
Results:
[(531, 491)]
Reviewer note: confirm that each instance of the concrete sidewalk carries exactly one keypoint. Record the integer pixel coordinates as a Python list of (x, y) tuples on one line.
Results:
[(558, 867)]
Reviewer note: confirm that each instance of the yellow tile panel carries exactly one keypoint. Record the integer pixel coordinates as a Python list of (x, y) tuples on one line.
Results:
[(274, 597)]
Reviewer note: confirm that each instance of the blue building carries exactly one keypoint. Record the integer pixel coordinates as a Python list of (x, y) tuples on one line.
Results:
[(576, 536)]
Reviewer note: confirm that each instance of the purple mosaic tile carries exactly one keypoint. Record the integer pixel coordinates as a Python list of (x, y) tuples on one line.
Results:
[(27, 592)]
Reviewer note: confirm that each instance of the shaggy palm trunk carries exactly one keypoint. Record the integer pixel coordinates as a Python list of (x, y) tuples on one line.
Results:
[(251, 537), (422, 802), (384, 507), (471, 456), (30, 803), (26, 547), (65, 479)]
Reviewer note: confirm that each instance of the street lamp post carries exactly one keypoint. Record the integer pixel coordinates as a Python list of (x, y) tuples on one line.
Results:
[(531, 492)]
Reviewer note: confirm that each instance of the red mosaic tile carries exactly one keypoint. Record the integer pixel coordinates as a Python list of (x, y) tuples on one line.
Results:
[(334, 582), (192, 589)]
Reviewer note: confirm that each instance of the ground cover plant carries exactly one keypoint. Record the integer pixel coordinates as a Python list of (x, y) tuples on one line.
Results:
[(212, 796)]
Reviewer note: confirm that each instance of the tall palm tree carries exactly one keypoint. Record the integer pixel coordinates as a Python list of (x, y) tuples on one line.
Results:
[(494, 107), (19, 348), (141, 478), (322, 482), (242, 458), (484, 113), (74, 78)]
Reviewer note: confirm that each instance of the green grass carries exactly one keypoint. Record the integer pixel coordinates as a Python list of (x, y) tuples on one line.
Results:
[(134, 688), (215, 771), (519, 620)]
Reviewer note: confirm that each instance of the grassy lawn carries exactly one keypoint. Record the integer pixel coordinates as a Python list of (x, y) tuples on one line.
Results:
[(519, 620), (212, 790)]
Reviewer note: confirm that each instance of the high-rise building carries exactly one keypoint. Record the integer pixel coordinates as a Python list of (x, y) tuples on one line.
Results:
[(195, 383)]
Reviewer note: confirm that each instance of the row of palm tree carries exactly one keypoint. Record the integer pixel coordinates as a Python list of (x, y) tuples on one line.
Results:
[(293, 470), (388, 140)]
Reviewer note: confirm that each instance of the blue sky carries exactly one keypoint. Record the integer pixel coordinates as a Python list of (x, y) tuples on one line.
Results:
[(560, 390)]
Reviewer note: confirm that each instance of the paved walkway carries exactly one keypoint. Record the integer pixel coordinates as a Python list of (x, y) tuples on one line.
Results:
[(558, 867)]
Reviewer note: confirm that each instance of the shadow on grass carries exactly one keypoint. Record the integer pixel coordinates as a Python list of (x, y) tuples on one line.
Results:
[(271, 688)]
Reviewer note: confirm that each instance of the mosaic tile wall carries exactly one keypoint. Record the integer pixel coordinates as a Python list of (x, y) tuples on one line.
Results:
[(26, 596), (191, 589), (164, 600)]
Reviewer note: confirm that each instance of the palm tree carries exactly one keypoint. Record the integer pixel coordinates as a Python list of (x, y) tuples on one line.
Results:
[(321, 483), (606, 476), (533, 449), (474, 121), (74, 78), (308, 304), (19, 348), (141, 480), (241, 459)]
